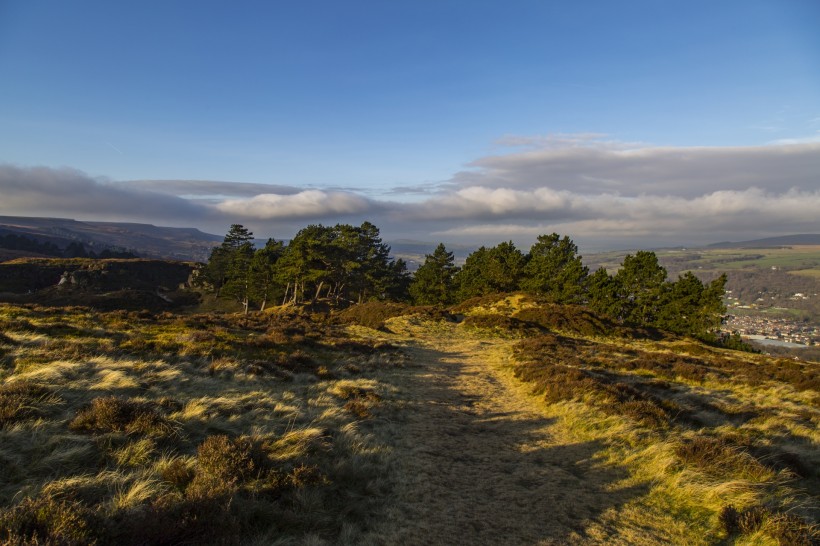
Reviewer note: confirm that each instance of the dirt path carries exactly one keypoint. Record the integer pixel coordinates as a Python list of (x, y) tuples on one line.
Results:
[(477, 462)]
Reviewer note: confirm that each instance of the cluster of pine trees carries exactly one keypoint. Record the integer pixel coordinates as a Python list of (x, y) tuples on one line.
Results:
[(638, 294), (351, 264), (343, 262)]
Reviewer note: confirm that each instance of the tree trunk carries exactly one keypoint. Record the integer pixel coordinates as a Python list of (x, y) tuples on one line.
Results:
[(285, 298), (318, 290)]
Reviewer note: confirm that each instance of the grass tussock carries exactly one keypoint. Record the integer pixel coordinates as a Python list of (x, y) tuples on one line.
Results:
[(182, 429), (23, 400), (718, 457), (785, 529), (360, 401), (115, 414)]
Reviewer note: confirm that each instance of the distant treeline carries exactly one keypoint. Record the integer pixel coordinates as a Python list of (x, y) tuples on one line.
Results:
[(13, 241), (346, 263)]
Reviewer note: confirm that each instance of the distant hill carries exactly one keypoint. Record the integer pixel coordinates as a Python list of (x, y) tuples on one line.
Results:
[(785, 240), (147, 240)]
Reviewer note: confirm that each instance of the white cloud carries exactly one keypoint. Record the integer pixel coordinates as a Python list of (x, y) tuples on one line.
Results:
[(607, 166), (307, 204), (753, 211), (579, 185)]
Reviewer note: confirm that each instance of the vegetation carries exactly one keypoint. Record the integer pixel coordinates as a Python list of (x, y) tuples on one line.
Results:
[(288, 426), (434, 282), (13, 241), (342, 263), (141, 428), (591, 396)]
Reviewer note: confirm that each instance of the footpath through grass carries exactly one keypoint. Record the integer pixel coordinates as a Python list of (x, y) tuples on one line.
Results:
[(501, 422)]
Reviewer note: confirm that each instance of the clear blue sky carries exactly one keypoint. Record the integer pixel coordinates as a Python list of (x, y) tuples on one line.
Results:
[(374, 95)]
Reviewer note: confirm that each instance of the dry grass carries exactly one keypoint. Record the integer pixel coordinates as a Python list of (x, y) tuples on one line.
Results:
[(183, 429), (288, 428)]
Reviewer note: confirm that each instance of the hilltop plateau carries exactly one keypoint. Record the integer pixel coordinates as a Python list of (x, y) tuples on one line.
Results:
[(501, 420)]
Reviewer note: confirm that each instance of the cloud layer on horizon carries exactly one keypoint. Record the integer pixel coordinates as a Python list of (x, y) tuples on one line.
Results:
[(598, 192)]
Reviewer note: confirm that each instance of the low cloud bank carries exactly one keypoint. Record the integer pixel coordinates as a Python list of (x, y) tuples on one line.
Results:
[(597, 191)]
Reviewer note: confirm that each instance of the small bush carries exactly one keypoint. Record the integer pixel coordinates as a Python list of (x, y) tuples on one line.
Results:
[(114, 414), (717, 457), (21, 400), (45, 520), (178, 473), (222, 464), (573, 319), (787, 529), (372, 314)]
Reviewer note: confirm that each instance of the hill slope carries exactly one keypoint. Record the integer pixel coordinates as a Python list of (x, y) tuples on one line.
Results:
[(147, 240)]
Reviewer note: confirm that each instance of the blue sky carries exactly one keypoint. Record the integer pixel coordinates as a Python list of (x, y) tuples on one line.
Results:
[(380, 104)]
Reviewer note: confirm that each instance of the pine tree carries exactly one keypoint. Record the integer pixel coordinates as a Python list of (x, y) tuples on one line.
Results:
[(238, 277), (220, 263), (603, 293), (555, 270), (490, 271), (433, 282), (264, 285), (640, 283)]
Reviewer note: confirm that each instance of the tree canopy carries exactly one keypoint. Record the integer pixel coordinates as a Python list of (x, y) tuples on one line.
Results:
[(433, 282), (348, 264)]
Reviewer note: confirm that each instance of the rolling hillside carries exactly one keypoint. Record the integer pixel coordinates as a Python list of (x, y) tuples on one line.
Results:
[(149, 241)]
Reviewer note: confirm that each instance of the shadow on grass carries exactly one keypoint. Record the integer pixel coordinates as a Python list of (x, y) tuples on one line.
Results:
[(476, 466)]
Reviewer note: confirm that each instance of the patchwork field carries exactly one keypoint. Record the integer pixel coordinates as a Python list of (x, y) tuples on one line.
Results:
[(500, 421)]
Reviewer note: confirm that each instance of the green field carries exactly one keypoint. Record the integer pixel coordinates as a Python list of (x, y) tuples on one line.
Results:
[(805, 259)]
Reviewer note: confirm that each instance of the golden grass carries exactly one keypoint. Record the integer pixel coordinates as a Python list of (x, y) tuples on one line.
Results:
[(285, 429)]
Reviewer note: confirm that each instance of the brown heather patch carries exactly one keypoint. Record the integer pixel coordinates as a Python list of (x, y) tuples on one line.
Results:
[(360, 401), (115, 414), (22, 400), (45, 520), (223, 462), (372, 314), (573, 319), (559, 382), (786, 529), (716, 456), (375, 314), (500, 324)]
